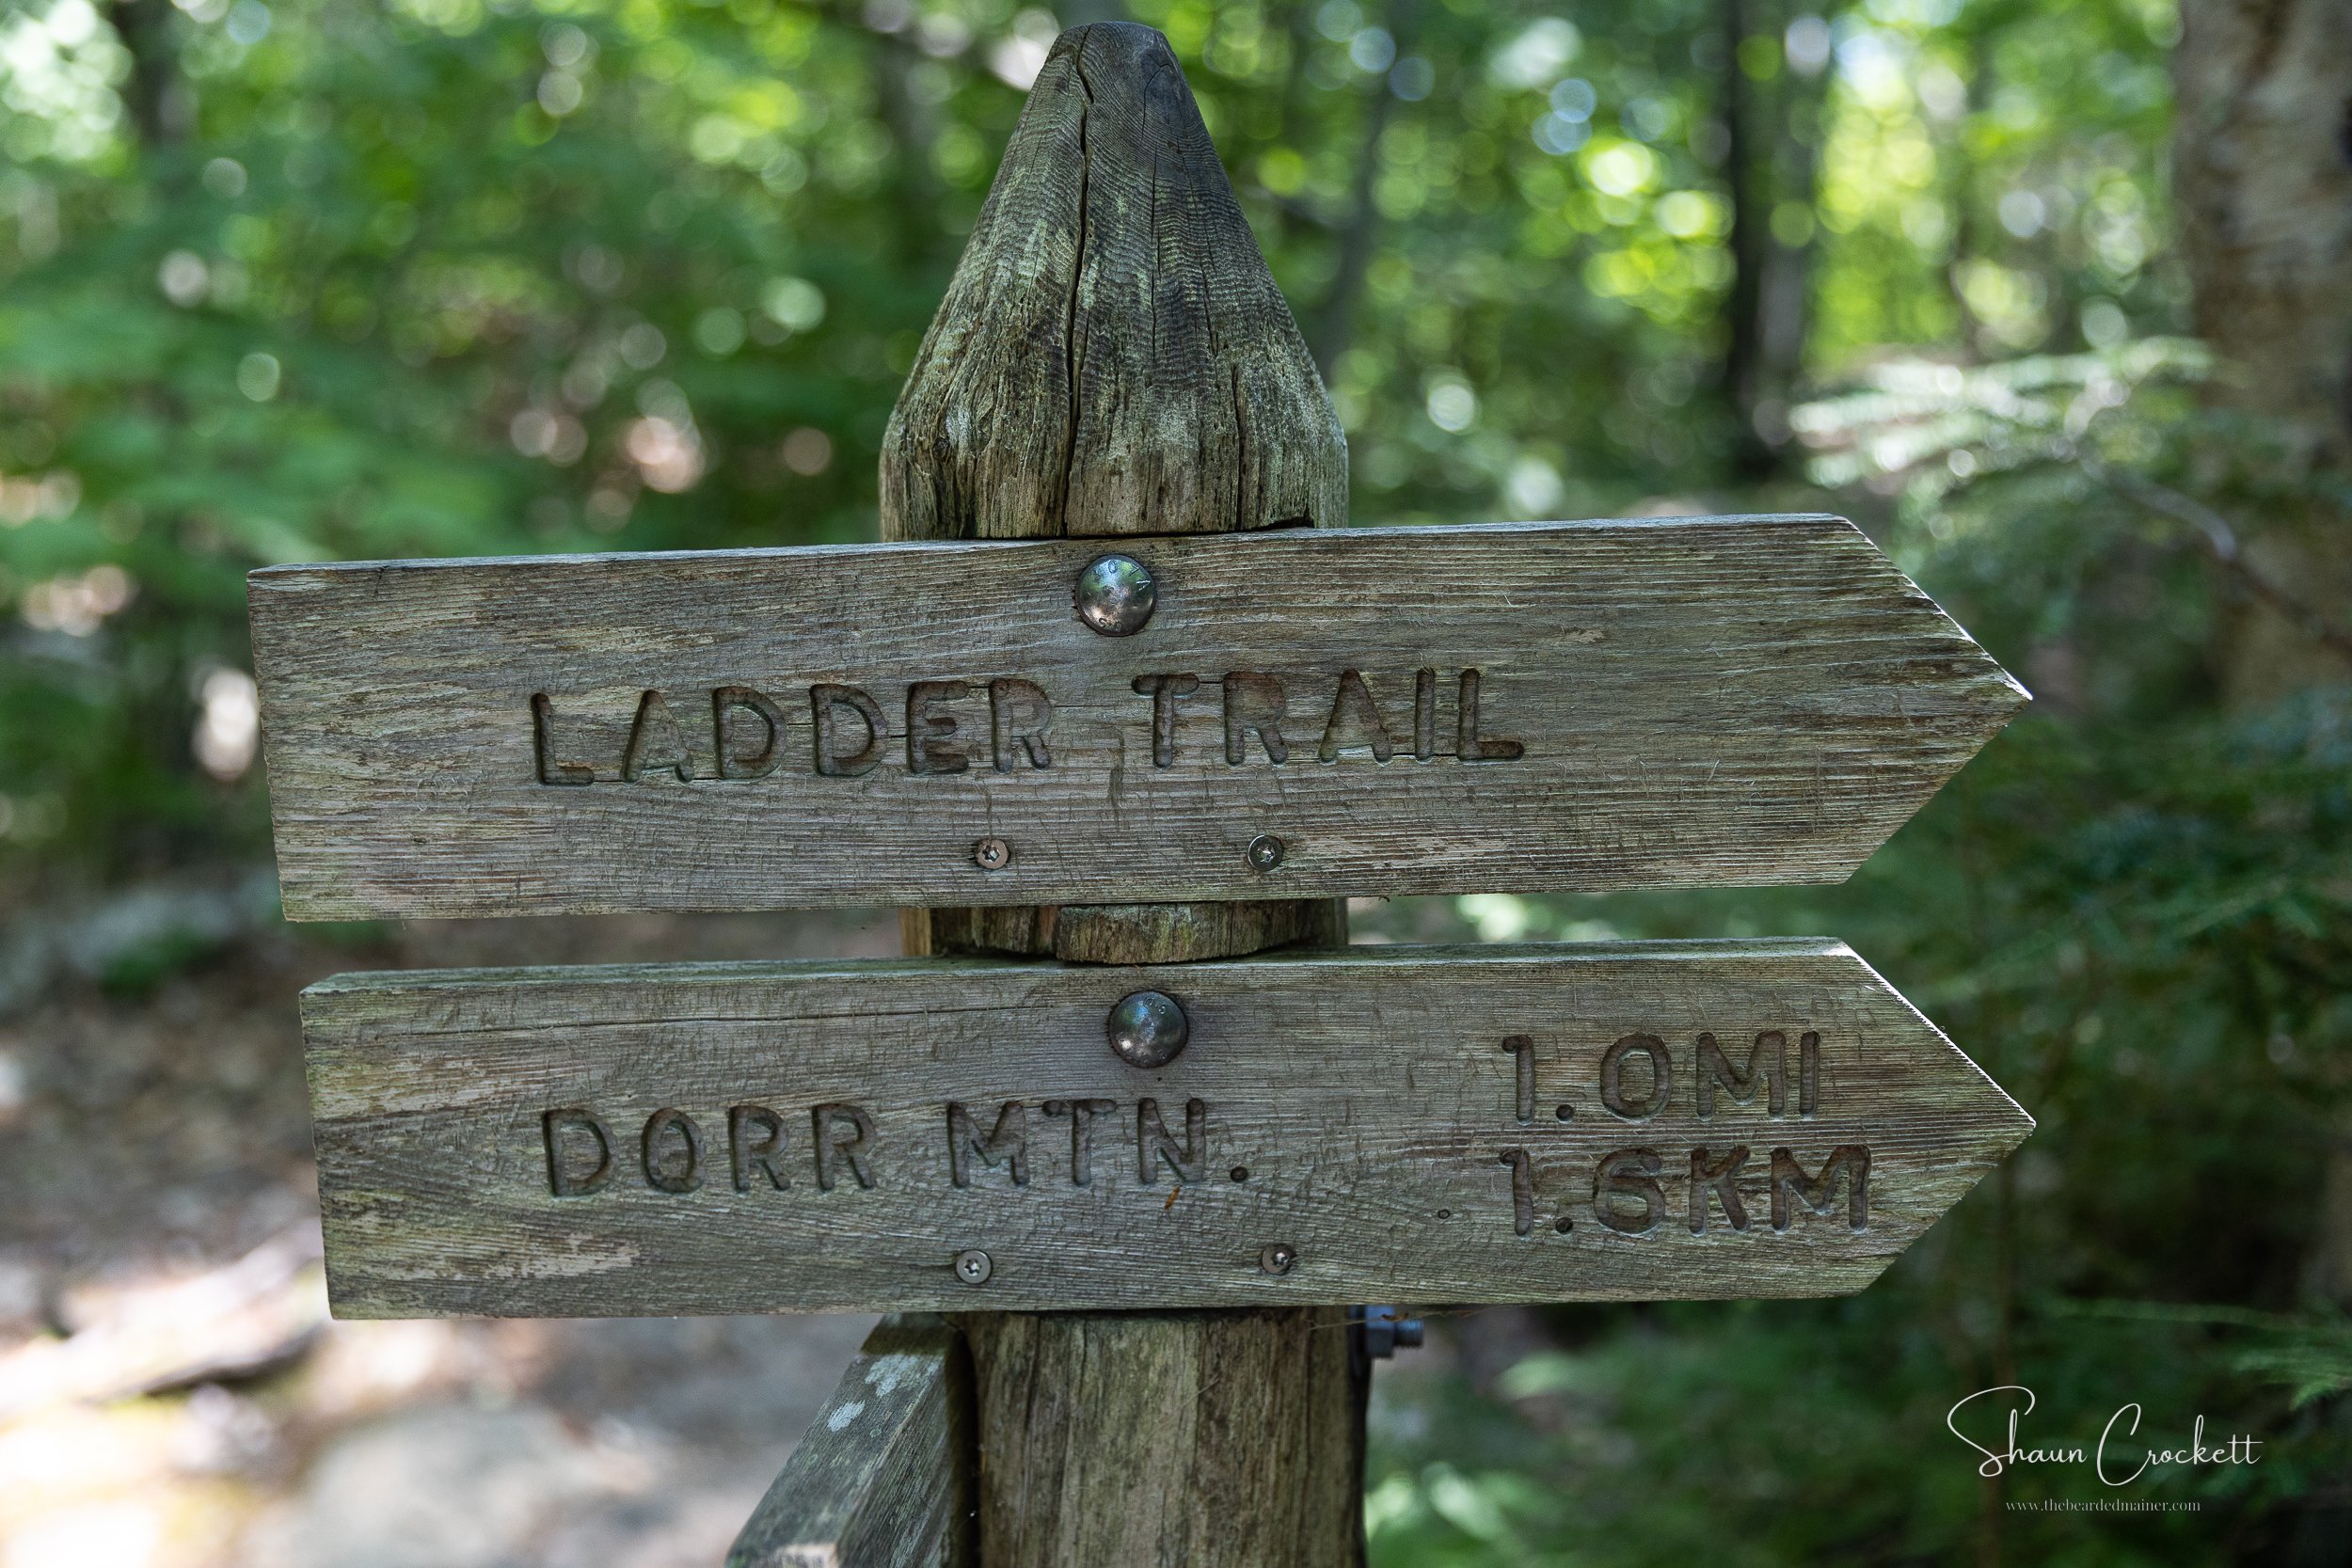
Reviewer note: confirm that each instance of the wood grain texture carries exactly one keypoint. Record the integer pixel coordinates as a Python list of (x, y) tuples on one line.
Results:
[(1232, 1438), (1112, 356), (1128, 933), (882, 1477), (1182, 402), (1367, 1098), (1188, 933), (1698, 701)]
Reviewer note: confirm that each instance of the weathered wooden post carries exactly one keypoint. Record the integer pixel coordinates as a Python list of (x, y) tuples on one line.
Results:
[(1113, 360), (1119, 692)]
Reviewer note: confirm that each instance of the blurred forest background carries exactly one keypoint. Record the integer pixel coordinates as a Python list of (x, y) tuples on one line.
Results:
[(2053, 296)]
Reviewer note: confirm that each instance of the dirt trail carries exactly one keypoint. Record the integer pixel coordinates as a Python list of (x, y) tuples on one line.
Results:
[(171, 1393)]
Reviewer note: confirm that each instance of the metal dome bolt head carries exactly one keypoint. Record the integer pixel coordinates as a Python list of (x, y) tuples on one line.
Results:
[(1147, 1029), (1384, 1332), (1116, 594)]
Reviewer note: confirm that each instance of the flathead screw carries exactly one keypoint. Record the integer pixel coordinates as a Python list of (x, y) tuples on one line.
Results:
[(972, 1267), (991, 854), (1147, 1029), (1115, 595), (1266, 851), (1278, 1258)]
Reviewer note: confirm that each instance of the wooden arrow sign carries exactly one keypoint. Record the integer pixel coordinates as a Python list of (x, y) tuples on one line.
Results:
[(1305, 712), (1613, 1121)]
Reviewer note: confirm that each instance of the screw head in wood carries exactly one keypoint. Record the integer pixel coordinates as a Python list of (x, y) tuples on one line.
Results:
[(1147, 1028), (991, 854), (972, 1267), (1116, 594), (1266, 851), (1278, 1258)]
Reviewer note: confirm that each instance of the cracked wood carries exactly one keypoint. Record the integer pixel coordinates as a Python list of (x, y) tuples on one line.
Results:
[(1112, 355), (1070, 1401)]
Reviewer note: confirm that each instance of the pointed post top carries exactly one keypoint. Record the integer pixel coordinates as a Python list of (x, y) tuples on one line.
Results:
[(1112, 356)]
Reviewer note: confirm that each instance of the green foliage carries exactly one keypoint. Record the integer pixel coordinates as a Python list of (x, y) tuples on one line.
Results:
[(313, 279), (2132, 910), (2309, 1355)]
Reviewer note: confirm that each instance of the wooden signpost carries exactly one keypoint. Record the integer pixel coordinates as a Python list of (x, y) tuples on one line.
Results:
[(1117, 654)]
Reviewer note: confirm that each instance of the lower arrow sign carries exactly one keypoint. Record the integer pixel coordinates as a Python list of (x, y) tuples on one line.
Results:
[(1614, 1122)]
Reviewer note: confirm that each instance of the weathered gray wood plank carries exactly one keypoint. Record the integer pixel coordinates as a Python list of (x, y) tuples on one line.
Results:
[(1112, 356), (1128, 933), (1685, 701), (1114, 359), (1232, 1438), (882, 1478), (1389, 1115)]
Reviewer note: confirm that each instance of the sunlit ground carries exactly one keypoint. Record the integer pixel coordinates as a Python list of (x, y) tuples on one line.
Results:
[(172, 1394)]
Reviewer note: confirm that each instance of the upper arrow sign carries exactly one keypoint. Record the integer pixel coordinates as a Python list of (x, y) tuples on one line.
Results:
[(1540, 706)]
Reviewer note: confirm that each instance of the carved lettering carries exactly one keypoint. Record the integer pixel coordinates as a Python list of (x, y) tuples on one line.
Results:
[(1522, 1191), (661, 1174), (1254, 701), (851, 733), (562, 1180), (1008, 1144), (1018, 713), (1081, 1113), (834, 1151), (1791, 1186), (1768, 1059), (1629, 1173), (1355, 722), (835, 758), (736, 760), (1467, 745), (655, 743), (1716, 1176), (1524, 1101), (1165, 691), (931, 730), (1152, 1144), (1808, 1073), (552, 769), (1612, 1077), (755, 1143)]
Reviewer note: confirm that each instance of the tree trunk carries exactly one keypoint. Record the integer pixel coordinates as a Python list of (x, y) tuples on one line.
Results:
[(1335, 323), (1751, 238), (1766, 162), (2263, 178), (2262, 175), (156, 95), (2264, 181), (1113, 360)]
